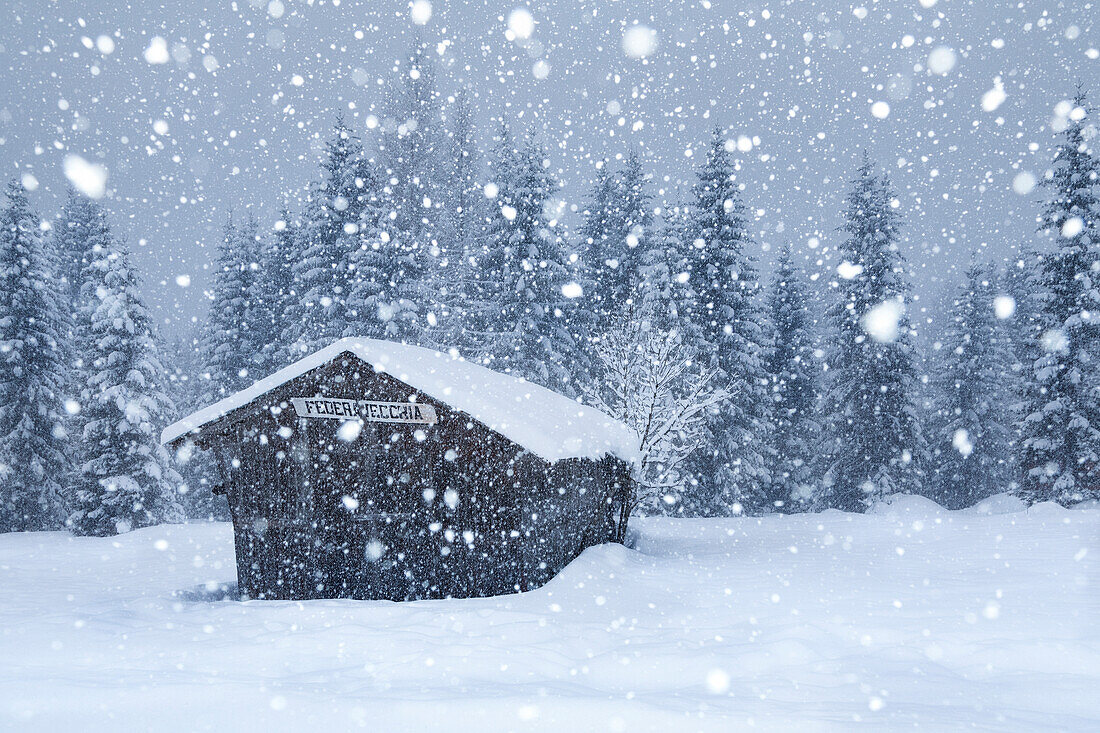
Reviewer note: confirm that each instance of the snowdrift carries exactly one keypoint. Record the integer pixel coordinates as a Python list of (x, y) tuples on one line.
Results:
[(998, 504), (912, 616), (901, 506)]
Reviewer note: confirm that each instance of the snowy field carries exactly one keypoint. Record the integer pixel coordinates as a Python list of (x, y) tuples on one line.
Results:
[(911, 617)]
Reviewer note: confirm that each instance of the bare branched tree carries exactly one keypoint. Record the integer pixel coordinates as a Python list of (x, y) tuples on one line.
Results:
[(650, 380)]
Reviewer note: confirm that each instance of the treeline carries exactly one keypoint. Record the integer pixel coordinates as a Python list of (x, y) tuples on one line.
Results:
[(811, 397), (754, 397), (784, 396)]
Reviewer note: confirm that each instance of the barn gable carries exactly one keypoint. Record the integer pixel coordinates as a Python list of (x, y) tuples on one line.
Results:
[(549, 425)]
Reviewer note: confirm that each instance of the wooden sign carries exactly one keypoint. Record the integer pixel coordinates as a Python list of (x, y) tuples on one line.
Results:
[(340, 409)]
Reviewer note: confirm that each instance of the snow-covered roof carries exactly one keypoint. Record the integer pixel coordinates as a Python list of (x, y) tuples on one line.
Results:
[(546, 423)]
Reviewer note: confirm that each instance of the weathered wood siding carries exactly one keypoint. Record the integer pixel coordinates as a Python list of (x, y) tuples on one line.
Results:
[(403, 511)]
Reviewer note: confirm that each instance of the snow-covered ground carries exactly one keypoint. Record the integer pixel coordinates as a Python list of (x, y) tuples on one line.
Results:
[(912, 616)]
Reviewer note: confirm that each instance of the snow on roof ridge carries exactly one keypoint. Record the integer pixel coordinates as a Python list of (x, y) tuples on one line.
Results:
[(548, 424)]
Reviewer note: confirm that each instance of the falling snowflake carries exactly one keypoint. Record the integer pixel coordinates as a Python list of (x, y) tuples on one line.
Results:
[(881, 322), (88, 178), (942, 60), (639, 41), (420, 12), (157, 51), (521, 24), (572, 290)]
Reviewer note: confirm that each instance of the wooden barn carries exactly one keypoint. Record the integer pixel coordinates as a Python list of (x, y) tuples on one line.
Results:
[(378, 470)]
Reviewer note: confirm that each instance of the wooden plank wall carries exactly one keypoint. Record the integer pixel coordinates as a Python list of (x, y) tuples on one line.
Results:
[(457, 509)]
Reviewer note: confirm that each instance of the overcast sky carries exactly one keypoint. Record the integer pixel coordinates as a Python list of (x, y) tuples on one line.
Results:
[(235, 116)]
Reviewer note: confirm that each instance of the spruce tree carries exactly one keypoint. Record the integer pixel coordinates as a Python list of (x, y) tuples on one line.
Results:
[(83, 229), (598, 234), (384, 282), (83, 225), (616, 234), (467, 198), (126, 479), (272, 295), (665, 291), (229, 342), (231, 349), (794, 389), (518, 316), (723, 316), (974, 393), (337, 206), (314, 278), (654, 292), (468, 210), (34, 464), (182, 359), (637, 224), (1061, 447), (874, 445), (414, 154), (1020, 282)]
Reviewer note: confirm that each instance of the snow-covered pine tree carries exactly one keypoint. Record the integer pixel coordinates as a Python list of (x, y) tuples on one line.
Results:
[(574, 307), (467, 197), (83, 225), (794, 389), (229, 342), (385, 279), (334, 212), (1021, 280), (313, 281), (182, 360), (1020, 283), (34, 461), (665, 292), (974, 394), (1061, 447), (414, 153), (654, 291), (272, 295), (615, 235), (600, 275), (126, 478), (518, 317), (467, 213), (724, 316), (637, 221), (231, 350), (597, 235), (873, 440), (82, 230)]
